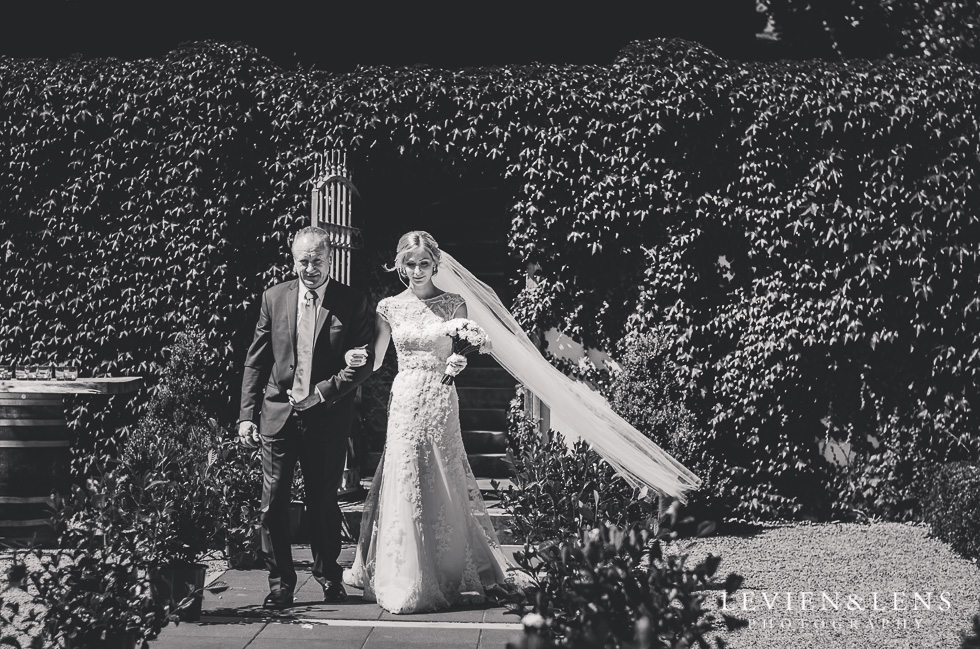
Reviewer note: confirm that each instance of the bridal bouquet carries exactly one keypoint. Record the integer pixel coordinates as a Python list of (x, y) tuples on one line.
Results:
[(467, 337)]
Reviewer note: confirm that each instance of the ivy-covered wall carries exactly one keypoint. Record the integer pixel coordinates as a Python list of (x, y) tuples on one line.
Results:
[(807, 232)]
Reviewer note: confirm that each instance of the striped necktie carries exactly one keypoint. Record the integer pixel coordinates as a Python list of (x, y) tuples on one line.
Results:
[(305, 328)]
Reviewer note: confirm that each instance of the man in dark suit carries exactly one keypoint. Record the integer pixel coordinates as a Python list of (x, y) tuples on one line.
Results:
[(297, 402)]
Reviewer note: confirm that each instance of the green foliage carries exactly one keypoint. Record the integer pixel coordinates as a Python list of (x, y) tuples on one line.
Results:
[(972, 640), (174, 492), (167, 472), (98, 585), (952, 506), (557, 489), (885, 482), (238, 478), (877, 28), (610, 588), (647, 393), (820, 290), (805, 233)]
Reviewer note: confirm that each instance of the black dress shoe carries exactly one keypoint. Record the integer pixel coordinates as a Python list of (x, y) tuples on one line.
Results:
[(278, 600), (334, 592)]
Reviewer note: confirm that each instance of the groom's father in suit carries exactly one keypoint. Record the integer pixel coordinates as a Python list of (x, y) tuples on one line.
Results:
[(297, 402)]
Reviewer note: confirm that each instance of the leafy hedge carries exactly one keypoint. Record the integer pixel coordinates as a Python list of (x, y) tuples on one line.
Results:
[(953, 510), (806, 232)]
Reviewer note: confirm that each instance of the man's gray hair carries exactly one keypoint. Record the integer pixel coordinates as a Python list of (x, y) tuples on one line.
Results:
[(311, 230)]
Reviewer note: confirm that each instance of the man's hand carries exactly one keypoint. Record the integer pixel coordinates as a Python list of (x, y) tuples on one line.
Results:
[(248, 434), (305, 404)]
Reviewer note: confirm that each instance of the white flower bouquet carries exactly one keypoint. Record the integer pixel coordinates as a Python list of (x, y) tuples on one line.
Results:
[(467, 337)]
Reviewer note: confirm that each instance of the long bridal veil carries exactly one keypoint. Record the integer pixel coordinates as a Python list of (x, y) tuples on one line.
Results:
[(583, 412)]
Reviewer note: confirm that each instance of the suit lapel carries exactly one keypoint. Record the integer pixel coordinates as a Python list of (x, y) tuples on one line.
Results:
[(291, 305), (323, 314)]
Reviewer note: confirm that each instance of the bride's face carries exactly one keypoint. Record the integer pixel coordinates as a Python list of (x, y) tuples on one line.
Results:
[(418, 268)]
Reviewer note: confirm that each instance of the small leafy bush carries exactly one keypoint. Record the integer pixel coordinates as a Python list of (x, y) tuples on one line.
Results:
[(971, 640), (99, 585), (888, 477), (952, 506), (647, 392), (167, 465), (238, 478), (558, 490), (617, 589), (184, 411)]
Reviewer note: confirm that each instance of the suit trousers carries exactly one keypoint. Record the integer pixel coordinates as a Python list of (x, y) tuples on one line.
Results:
[(322, 455)]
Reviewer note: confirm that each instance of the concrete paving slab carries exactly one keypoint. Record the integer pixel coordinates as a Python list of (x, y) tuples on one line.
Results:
[(232, 599), (399, 638), (498, 639), (353, 609), (218, 627), (338, 643), (499, 614), (456, 614), (233, 618), (286, 634), (166, 641)]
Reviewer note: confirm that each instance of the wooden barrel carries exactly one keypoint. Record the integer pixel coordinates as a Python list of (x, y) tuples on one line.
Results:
[(34, 462)]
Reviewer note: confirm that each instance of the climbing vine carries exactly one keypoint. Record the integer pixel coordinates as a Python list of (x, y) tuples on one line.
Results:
[(807, 233)]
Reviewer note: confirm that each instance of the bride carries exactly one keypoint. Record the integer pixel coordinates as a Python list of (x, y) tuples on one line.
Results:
[(426, 540)]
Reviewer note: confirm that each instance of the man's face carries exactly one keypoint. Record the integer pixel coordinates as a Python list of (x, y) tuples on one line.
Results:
[(311, 256)]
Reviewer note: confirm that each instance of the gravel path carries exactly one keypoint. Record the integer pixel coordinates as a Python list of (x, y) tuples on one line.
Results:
[(893, 586)]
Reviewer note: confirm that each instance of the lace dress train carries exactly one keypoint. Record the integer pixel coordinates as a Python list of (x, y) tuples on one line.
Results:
[(426, 540)]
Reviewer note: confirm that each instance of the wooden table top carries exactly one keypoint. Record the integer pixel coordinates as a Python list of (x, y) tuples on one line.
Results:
[(106, 385)]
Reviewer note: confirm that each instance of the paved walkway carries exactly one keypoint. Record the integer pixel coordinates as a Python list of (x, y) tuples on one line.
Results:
[(233, 618)]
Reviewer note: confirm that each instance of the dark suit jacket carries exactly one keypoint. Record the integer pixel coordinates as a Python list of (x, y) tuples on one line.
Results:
[(345, 320)]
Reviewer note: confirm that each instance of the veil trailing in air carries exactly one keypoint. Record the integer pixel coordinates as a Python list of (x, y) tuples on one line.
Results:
[(583, 412)]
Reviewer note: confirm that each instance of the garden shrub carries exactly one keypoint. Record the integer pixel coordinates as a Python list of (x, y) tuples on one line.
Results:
[(951, 506), (238, 475), (558, 489), (971, 640), (98, 585), (646, 392), (805, 232), (887, 480), (167, 464), (618, 589)]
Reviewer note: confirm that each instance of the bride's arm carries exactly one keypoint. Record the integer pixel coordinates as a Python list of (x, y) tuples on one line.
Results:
[(382, 337)]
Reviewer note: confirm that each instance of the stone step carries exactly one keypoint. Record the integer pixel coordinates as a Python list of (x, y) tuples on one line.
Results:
[(484, 397), (490, 465), (483, 418), (485, 441)]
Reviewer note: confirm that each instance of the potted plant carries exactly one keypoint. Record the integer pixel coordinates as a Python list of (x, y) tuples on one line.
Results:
[(167, 475), (96, 591), (238, 475), (173, 502)]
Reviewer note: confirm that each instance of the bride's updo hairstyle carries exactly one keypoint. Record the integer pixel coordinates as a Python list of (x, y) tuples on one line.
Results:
[(412, 241)]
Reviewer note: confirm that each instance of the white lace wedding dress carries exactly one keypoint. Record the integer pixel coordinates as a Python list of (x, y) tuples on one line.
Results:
[(426, 540)]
